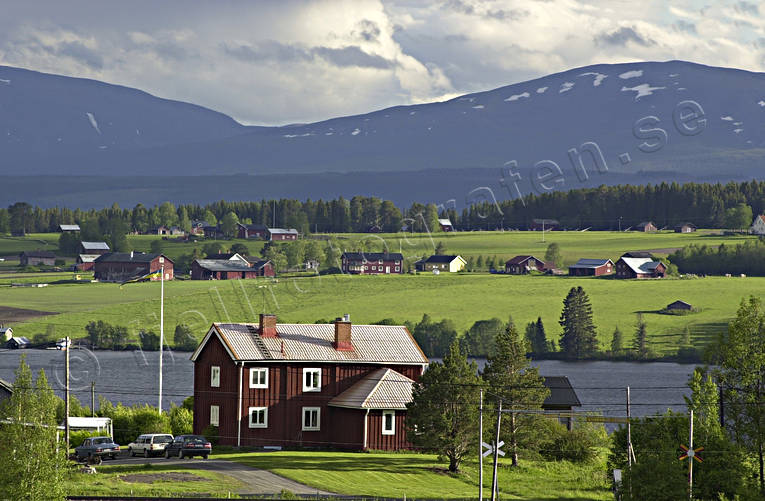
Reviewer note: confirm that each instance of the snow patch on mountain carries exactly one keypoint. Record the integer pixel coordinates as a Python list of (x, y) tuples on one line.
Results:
[(92, 120), (478, 107), (761, 103), (642, 90), (6, 82), (566, 86), (631, 74), (541, 90), (727, 118), (599, 77), (516, 97), (356, 132)]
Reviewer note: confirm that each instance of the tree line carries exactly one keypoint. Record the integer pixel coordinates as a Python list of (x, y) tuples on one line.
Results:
[(747, 258), (707, 205)]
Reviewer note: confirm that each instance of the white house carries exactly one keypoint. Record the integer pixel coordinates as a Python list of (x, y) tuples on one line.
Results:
[(758, 226)]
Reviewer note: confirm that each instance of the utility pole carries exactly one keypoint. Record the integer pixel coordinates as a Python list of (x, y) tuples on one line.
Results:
[(494, 489), (620, 223), (630, 453), (543, 230), (480, 449), (161, 329), (690, 459), (93, 398), (66, 395)]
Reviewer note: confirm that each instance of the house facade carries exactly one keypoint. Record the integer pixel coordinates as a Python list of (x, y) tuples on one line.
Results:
[(450, 264), (328, 385), (372, 263), (646, 227), (248, 231), (121, 266), (520, 265), (639, 267), (446, 225), (758, 226), (685, 228), (591, 267), (37, 258), (230, 269), (281, 234)]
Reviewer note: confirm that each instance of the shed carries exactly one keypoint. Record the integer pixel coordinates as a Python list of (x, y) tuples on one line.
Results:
[(520, 265), (36, 258), (6, 333), (85, 262), (98, 248), (441, 263), (97, 424), (562, 396), (646, 226), (446, 225), (68, 227), (18, 342), (283, 234), (633, 267), (591, 267), (680, 305), (685, 228)]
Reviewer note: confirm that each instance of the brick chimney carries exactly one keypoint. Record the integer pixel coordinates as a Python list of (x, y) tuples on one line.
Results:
[(343, 334), (268, 325)]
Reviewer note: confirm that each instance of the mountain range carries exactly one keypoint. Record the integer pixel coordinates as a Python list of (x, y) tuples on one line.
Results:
[(79, 142)]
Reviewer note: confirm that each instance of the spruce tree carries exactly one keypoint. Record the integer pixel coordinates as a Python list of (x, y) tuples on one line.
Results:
[(479, 263), (579, 338), (511, 378), (686, 339), (640, 343), (617, 343)]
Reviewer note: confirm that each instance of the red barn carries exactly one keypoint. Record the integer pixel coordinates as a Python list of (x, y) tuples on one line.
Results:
[(279, 234), (246, 231), (121, 266), (372, 263), (306, 385), (230, 269), (520, 265), (591, 267), (639, 267)]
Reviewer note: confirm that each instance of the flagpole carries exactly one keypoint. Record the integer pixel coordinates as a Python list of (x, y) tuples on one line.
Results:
[(161, 331)]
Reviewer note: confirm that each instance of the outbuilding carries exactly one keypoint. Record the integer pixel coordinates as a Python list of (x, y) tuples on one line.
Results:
[(442, 263), (591, 267), (37, 258), (646, 227), (680, 305), (685, 228), (521, 265), (97, 248), (122, 266), (634, 267)]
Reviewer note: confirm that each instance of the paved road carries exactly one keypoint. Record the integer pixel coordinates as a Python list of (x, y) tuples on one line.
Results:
[(256, 481)]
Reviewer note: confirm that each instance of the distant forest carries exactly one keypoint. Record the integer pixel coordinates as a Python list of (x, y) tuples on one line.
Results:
[(604, 208)]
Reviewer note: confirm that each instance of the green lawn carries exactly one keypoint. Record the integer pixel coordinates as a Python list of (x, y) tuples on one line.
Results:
[(422, 475), (151, 480), (12, 246)]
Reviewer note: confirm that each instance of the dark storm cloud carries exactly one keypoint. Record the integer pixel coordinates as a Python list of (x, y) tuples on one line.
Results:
[(622, 37), (278, 52)]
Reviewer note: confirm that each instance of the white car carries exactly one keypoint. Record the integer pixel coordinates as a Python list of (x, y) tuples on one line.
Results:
[(150, 444)]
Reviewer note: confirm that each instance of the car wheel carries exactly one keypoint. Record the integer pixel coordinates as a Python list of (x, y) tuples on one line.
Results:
[(180, 453), (132, 453), (167, 454), (146, 453), (204, 456), (113, 456)]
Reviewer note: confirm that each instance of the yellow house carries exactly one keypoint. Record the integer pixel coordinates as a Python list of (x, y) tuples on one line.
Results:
[(442, 263)]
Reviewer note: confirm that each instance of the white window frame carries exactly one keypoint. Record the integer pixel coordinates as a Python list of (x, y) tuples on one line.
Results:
[(250, 413), (254, 371), (215, 376), (214, 415), (318, 419), (374, 268), (397, 268), (391, 431), (311, 370)]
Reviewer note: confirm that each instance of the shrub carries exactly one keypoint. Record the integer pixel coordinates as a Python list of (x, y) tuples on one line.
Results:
[(578, 445), (211, 434), (181, 420), (76, 438)]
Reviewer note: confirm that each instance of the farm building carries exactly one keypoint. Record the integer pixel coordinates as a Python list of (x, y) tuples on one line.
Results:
[(646, 227), (229, 256), (685, 228), (165, 231), (197, 227), (279, 234), (332, 385), (229, 269), (63, 228), (446, 225), (544, 224), (591, 267), (562, 397), (638, 254), (252, 231), (211, 231), (18, 342), (6, 333), (636, 267), (372, 263), (98, 248), (442, 263), (679, 305), (37, 258), (758, 226), (6, 390), (85, 262), (121, 266), (520, 265)]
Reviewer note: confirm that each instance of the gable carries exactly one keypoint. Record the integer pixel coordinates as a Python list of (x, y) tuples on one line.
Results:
[(212, 337)]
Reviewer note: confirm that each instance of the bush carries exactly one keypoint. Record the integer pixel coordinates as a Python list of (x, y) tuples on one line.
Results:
[(181, 420), (129, 422), (211, 434), (76, 438), (577, 445)]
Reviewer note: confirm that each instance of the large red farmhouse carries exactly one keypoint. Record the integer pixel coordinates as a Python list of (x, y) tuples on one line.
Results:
[(306, 385), (365, 263), (121, 266)]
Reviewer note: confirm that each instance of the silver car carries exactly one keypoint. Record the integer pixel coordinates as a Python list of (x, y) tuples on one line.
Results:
[(150, 444)]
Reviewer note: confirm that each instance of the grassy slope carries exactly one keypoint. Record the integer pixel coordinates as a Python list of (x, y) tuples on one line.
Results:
[(463, 298), (422, 475)]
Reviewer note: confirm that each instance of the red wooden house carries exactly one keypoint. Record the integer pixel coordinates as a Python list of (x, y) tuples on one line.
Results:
[(230, 269), (121, 266), (372, 263), (591, 267), (306, 385), (279, 234), (639, 267), (252, 231), (520, 265)]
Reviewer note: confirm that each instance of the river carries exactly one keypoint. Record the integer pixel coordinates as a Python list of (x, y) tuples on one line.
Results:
[(131, 378)]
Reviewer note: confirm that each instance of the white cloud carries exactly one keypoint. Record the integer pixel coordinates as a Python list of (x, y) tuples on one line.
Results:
[(283, 62)]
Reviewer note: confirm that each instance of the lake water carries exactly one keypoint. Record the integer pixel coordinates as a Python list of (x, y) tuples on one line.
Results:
[(131, 377)]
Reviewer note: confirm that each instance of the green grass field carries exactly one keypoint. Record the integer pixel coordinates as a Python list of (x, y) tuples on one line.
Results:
[(422, 475), (462, 298)]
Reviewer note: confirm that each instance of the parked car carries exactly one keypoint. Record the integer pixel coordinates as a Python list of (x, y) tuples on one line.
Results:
[(150, 443), (97, 447), (188, 446)]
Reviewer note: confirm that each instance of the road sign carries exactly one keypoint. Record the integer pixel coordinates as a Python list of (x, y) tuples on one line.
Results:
[(490, 448), (691, 453)]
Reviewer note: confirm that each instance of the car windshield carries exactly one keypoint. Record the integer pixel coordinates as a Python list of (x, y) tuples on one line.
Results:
[(195, 438), (165, 439), (97, 441)]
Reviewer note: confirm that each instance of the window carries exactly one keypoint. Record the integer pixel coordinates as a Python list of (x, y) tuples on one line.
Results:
[(374, 268), (258, 417), (380, 261), (389, 422), (311, 379), (397, 269), (259, 377), (311, 420), (214, 415), (215, 376)]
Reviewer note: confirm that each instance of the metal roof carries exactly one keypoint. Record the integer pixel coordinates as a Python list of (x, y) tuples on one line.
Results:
[(641, 264), (89, 258), (373, 256), (314, 343), (380, 389), (6, 386), (441, 259), (521, 259), (445, 222), (283, 231), (38, 253), (95, 245), (591, 263), (69, 227), (129, 257), (223, 265), (562, 394)]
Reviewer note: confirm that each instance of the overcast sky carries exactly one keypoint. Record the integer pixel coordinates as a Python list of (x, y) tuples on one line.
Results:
[(299, 61)]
